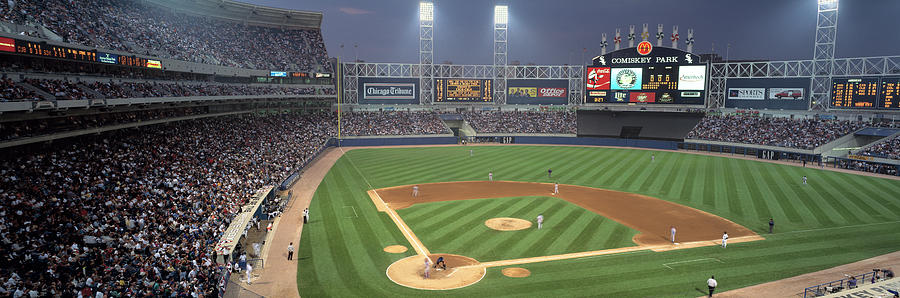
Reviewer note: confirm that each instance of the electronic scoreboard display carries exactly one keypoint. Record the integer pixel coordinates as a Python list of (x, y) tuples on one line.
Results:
[(52, 51), (463, 90), (646, 75), (890, 93), (854, 92)]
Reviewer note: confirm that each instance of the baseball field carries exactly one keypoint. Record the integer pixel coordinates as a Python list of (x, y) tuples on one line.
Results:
[(604, 233)]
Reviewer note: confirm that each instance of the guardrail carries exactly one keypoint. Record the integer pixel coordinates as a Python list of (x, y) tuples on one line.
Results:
[(840, 285)]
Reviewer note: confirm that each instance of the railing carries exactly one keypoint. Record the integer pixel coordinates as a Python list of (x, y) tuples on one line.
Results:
[(839, 285)]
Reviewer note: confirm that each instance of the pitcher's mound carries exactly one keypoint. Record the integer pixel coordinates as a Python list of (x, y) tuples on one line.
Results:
[(395, 249), (507, 224), (516, 272), (410, 272)]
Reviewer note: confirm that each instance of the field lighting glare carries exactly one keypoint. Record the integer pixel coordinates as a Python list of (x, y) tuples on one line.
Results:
[(426, 11), (501, 14), (827, 1)]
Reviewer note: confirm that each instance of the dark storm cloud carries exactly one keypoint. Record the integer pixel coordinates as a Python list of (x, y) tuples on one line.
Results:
[(555, 32)]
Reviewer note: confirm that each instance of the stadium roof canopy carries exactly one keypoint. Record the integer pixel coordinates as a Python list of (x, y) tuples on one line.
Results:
[(245, 13)]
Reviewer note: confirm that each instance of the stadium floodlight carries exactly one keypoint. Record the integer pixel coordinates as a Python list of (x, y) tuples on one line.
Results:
[(501, 14), (426, 11)]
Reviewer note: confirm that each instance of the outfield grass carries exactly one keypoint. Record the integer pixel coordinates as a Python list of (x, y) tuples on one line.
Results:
[(457, 227), (838, 218)]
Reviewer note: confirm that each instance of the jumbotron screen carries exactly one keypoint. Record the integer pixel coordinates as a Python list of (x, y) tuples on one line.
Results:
[(463, 90), (644, 75)]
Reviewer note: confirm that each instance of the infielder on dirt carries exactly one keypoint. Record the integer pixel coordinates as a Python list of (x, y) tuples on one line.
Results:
[(556, 188), (724, 239), (415, 191), (672, 233), (540, 221), (491, 176)]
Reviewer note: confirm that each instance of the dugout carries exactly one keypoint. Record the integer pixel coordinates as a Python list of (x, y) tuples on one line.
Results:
[(668, 126)]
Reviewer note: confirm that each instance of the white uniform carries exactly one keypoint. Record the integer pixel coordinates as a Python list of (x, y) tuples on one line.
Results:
[(249, 269), (555, 188), (724, 240), (540, 221), (673, 234), (416, 191), (652, 158), (804, 179), (471, 153), (491, 176)]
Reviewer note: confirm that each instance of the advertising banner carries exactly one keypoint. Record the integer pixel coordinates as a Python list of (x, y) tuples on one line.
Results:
[(782, 94), (7, 44), (154, 64), (388, 91), (626, 78), (692, 77), (597, 78), (107, 58), (747, 93), (546, 92), (642, 97), (786, 93), (277, 73)]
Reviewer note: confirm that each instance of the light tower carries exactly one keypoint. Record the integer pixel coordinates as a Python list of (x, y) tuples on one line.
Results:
[(426, 51), (501, 25), (823, 54)]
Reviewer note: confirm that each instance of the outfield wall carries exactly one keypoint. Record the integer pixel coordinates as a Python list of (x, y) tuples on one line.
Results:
[(394, 141), (516, 139)]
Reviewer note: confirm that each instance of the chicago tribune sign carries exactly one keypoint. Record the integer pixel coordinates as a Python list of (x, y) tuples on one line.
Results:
[(389, 91)]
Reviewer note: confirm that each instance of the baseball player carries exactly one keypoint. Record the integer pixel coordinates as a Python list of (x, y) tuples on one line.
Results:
[(540, 220), (415, 190), (427, 267), (440, 261), (471, 153), (556, 188), (249, 269), (549, 173), (804, 180), (771, 225), (652, 157), (672, 233), (306, 215), (491, 176), (724, 239)]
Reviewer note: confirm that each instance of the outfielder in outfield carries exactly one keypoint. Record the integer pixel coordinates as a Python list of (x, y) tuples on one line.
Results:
[(540, 221), (491, 176)]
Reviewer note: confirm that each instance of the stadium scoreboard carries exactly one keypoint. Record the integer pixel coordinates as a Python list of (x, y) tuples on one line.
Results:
[(646, 75), (865, 93), (463, 90)]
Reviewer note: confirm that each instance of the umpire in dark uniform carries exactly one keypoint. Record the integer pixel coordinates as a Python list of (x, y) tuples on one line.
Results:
[(771, 225)]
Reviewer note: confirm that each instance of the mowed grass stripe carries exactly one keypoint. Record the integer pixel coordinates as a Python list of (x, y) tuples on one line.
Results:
[(755, 196), (535, 242), (835, 210), (456, 226), (869, 191), (860, 204), (547, 207), (789, 202), (662, 174), (460, 241), (609, 161)]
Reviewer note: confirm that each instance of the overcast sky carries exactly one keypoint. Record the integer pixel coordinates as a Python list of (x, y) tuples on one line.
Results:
[(555, 31)]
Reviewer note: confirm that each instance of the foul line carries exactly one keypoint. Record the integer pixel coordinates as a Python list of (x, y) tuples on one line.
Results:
[(836, 228), (407, 232), (689, 261), (355, 215)]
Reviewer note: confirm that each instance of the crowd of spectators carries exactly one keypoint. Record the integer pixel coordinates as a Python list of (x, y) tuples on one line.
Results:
[(10, 91), (887, 149), (391, 123), (68, 90), (44, 126), (551, 122), (864, 166), (137, 212), (777, 131), (135, 27)]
